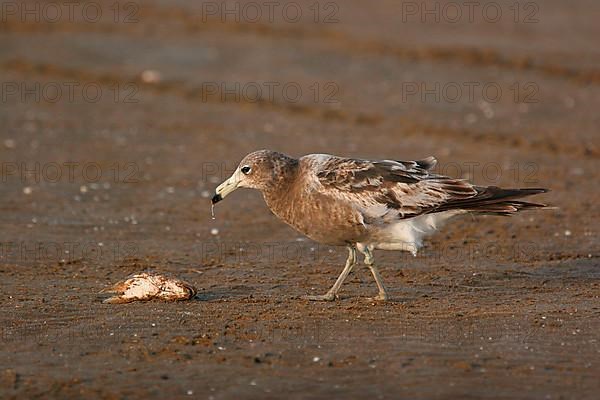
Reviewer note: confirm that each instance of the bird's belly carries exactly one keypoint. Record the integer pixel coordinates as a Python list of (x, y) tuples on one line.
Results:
[(408, 234), (324, 221), (332, 230)]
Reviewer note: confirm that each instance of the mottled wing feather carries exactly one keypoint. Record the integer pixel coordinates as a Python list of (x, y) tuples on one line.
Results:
[(388, 189)]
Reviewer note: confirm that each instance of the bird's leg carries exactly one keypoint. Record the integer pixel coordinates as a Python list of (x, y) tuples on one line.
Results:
[(383, 295), (332, 293)]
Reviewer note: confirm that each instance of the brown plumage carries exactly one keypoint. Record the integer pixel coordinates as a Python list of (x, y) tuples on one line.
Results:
[(494, 200), (366, 205)]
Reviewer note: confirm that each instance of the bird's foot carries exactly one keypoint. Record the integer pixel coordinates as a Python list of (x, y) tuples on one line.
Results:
[(324, 297), (383, 296)]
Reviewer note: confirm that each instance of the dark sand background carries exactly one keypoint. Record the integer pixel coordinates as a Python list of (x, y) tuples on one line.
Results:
[(491, 308)]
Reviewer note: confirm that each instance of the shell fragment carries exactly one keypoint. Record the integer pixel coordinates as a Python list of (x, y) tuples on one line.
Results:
[(146, 286)]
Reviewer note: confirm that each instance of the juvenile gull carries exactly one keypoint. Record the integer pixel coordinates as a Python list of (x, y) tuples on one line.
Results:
[(365, 205)]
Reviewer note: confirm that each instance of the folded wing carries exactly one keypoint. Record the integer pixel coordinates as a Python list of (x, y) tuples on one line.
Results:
[(389, 190)]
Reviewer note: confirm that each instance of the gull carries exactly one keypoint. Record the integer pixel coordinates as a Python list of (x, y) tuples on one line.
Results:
[(366, 205)]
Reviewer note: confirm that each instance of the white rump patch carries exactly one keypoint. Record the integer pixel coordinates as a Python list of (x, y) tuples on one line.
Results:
[(408, 234)]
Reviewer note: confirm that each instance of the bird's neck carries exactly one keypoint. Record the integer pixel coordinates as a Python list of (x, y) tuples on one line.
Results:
[(279, 194)]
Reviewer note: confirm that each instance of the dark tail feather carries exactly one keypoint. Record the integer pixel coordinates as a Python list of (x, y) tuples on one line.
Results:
[(496, 201)]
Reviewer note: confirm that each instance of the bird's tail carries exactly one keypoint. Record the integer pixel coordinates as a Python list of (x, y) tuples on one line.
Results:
[(496, 201)]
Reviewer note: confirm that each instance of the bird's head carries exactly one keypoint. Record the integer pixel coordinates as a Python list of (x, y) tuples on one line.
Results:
[(258, 170)]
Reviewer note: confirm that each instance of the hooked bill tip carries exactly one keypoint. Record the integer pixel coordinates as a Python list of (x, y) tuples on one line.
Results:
[(216, 198)]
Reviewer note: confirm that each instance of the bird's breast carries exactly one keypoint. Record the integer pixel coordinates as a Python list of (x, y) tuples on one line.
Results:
[(318, 217)]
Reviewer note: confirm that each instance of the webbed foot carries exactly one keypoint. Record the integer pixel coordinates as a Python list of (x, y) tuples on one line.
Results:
[(323, 297)]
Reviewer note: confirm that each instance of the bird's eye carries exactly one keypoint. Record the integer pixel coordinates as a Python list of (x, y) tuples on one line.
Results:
[(246, 170)]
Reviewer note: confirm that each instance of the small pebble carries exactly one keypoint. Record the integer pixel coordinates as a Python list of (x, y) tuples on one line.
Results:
[(577, 171), (10, 144), (567, 233), (151, 76), (214, 231), (27, 190)]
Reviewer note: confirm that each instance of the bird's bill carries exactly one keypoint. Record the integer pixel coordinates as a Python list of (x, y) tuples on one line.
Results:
[(226, 188)]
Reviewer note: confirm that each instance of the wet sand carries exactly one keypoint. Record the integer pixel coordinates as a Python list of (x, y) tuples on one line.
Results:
[(108, 171)]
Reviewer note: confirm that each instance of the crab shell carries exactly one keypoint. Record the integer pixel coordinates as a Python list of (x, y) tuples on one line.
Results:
[(146, 286)]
